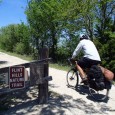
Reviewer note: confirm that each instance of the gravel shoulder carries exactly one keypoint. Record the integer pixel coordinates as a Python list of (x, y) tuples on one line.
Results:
[(62, 101)]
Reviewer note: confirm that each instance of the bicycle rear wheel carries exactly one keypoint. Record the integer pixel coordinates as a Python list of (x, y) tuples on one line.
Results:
[(72, 78), (100, 95)]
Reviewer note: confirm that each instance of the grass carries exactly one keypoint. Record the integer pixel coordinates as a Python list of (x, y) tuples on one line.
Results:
[(60, 67), (29, 58)]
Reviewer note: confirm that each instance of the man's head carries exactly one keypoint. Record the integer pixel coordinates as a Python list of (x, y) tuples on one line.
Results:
[(83, 36)]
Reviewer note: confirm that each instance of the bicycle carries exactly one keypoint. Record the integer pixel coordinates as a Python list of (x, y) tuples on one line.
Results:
[(73, 79)]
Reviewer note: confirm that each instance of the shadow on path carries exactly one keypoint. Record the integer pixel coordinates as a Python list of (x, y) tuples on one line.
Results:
[(84, 90), (26, 103), (3, 62)]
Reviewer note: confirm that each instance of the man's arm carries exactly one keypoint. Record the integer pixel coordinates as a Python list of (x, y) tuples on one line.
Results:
[(77, 50)]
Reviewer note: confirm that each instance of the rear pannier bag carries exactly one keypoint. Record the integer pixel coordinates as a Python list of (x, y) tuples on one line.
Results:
[(96, 78)]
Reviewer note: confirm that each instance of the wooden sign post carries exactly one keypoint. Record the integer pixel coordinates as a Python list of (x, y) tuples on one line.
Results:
[(43, 88)]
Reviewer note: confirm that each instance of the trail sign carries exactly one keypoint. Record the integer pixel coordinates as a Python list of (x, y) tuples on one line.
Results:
[(16, 77)]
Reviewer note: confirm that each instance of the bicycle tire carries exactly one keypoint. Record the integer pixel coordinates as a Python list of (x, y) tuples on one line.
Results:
[(100, 95), (72, 78)]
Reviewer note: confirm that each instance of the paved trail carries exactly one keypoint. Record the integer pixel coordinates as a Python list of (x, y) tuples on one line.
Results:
[(63, 100)]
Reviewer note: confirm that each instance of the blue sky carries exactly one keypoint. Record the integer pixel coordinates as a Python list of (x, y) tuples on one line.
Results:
[(12, 12)]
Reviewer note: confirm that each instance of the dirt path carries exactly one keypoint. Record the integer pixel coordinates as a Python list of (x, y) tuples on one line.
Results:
[(65, 101), (80, 101)]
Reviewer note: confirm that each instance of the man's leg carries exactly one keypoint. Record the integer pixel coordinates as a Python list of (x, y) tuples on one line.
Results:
[(81, 72)]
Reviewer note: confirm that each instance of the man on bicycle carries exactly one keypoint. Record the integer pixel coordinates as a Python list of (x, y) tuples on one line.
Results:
[(91, 55)]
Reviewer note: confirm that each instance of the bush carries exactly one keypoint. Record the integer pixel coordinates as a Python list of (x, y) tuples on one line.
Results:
[(19, 48)]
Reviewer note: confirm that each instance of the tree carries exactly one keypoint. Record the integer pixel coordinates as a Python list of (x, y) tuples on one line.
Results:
[(23, 44), (104, 32), (105, 10), (15, 38), (8, 37), (49, 19)]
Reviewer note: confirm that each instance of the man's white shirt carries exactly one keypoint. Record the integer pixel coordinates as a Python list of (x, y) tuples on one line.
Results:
[(88, 48)]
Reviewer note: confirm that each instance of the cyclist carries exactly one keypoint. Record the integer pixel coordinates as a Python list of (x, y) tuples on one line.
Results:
[(91, 55)]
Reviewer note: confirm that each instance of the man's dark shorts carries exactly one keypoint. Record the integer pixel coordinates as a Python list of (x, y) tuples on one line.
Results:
[(87, 63)]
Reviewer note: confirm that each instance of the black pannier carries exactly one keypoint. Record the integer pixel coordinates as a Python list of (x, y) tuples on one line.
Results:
[(96, 78)]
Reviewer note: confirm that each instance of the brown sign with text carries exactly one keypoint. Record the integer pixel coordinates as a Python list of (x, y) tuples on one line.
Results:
[(16, 77)]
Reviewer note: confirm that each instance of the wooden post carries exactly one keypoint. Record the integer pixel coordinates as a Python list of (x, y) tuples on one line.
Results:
[(43, 88), (36, 73)]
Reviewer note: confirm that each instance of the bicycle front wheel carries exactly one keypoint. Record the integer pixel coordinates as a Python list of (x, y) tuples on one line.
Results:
[(72, 78)]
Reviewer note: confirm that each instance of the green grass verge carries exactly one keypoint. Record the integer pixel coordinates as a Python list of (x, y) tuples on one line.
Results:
[(60, 67)]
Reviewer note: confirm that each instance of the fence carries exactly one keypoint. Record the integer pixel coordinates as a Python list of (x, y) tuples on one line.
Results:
[(38, 75)]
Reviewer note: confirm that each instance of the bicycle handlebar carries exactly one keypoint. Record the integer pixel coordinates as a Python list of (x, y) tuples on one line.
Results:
[(71, 61)]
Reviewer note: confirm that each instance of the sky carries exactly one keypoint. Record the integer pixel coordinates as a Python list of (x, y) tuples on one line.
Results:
[(12, 12)]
